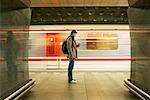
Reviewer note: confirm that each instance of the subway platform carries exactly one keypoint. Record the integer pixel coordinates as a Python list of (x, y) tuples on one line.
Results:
[(52, 85)]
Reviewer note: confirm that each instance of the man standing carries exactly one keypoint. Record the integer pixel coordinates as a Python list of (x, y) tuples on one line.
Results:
[(72, 54)]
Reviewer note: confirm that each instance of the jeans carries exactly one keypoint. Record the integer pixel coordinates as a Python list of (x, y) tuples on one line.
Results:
[(70, 68)]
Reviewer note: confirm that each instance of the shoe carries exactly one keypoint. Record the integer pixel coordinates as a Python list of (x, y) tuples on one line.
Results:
[(72, 82), (74, 79)]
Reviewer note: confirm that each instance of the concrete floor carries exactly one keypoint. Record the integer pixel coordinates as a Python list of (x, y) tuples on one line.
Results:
[(90, 86)]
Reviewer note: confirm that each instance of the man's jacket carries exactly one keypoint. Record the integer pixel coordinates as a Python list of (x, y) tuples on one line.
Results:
[(72, 47)]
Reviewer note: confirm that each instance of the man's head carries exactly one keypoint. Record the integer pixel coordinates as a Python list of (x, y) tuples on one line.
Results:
[(9, 34), (73, 32)]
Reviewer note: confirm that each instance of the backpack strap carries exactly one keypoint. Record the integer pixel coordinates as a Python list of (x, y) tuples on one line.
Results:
[(68, 37)]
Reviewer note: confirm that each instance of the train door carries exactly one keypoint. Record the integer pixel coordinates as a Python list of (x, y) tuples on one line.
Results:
[(53, 49)]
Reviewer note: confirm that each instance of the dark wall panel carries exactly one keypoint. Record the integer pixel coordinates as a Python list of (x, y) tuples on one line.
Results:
[(14, 4), (13, 50), (140, 3), (79, 15), (140, 47)]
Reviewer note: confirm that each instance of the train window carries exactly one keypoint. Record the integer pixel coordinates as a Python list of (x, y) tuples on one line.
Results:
[(100, 41)]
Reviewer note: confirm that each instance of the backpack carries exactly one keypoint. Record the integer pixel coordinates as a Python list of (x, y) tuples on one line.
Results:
[(64, 47)]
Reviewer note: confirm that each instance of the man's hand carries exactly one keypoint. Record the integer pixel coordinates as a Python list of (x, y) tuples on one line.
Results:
[(72, 56), (78, 44)]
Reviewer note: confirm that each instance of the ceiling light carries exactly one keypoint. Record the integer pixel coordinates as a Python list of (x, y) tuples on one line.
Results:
[(111, 13), (122, 14), (54, 20), (89, 13), (64, 20), (105, 20), (80, 14), (48, 14), (59, 14), (84, 20), (74, 7), (94, 20), (96, 7), (69, 14), (107, 7), (115, 20), (74, 20), (100, 13)]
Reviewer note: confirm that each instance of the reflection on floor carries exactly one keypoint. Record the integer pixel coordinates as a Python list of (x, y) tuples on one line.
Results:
[(90, 86)]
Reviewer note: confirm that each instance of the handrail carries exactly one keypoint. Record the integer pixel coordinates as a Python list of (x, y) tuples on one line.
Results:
[(136, 88), (19, 91)]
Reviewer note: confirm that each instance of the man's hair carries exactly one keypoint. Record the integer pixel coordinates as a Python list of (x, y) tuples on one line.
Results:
[(73, 31), (9, 34)]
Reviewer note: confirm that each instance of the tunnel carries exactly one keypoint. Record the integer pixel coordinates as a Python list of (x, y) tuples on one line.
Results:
[(112, 61)]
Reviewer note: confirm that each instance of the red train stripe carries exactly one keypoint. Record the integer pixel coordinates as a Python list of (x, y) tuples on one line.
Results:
[(25, 30), (83, 59)]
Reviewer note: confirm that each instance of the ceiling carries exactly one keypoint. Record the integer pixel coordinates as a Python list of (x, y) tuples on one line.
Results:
[(72, 3), (79, 15)]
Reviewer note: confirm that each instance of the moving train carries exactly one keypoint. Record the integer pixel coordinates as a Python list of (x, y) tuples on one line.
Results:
[(103, 47)]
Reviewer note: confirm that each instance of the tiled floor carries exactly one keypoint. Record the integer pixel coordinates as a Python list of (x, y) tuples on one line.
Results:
[(90, 86)]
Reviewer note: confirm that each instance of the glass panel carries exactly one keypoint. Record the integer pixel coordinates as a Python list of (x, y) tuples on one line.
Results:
[(13, 51), (99, 41), (140, 40)]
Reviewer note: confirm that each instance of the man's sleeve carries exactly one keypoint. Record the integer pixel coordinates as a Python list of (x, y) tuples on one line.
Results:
[(69, 45)]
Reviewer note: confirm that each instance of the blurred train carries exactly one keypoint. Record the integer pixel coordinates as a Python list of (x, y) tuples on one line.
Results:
[(103, 47)]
